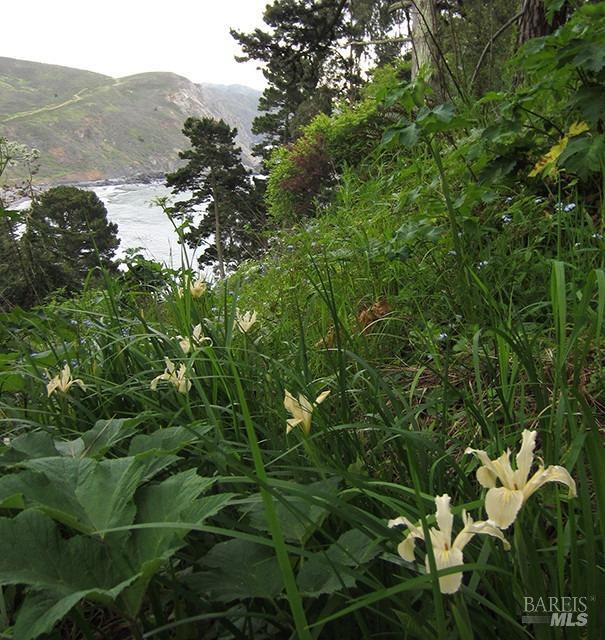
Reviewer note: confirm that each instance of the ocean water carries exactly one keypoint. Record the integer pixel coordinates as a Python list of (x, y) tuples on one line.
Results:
[(141, 223)]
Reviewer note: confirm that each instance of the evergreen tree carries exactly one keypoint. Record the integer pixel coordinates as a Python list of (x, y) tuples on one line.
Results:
[(313, 51), (67, 235), (218, 182)]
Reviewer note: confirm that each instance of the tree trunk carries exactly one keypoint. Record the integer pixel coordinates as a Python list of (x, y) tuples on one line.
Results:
[(533, 23), (425, 21), (217, 235)]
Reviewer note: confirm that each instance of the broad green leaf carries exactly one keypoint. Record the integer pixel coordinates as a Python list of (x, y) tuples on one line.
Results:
[(354, 548), (170, 440), (331, 570), (60, 571), (584, 155), (173, 500), (80, 492), (40, 612), (239, 569), (107, 433), (299, 518), (71, 448), (319, 575), (409, 135), (36, 444), (34, 553)]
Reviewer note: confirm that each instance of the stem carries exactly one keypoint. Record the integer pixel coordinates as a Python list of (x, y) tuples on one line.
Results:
[(454, 230), (217, 233), (293, 595)]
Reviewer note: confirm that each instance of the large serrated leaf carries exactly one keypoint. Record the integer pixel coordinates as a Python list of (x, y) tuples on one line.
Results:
[(299, 518), (239, 569), (61, 572), (80, 492), (332, 570)]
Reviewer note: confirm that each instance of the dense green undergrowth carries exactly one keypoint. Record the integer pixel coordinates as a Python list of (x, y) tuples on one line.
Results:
[(446, 300)]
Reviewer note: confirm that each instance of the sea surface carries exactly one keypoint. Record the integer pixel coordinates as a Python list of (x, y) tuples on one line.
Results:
[(141, 223)]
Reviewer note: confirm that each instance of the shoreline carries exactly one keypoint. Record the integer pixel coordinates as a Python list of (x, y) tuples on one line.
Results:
[(15, 196)]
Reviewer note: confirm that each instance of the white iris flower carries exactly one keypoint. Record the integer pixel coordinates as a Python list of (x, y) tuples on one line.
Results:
[(502, 504), (446, 553)]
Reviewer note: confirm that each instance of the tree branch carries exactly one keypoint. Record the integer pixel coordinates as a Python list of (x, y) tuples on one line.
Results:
[(491, 41)]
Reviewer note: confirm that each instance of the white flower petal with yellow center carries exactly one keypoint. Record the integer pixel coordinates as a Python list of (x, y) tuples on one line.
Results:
[(197, 339), (502, 504), (178, 378), (245, 321), (446, 553), (301, 410), (63, 382)]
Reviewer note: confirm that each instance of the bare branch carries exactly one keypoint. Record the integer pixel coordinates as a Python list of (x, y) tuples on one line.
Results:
[(491, 41)]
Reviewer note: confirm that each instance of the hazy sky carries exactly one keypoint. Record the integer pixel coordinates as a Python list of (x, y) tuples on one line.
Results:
[(122, 37)]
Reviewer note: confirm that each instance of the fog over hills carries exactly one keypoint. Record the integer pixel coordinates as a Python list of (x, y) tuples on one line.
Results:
[(89, 126)]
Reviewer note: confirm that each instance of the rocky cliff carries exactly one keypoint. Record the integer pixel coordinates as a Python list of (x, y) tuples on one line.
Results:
[(88, 126)]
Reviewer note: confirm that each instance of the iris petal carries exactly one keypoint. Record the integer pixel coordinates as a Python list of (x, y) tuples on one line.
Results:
[(444, 559), (502, 506), (553, 473)]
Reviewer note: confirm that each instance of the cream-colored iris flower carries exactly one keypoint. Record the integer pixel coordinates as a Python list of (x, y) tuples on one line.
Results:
[(502, 504), (198, 288), (446, 553), (301, 410), (197, 339), (245, 321), (63, 382), (178, 378)]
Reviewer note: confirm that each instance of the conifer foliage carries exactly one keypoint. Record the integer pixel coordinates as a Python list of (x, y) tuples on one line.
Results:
[(68, 234), (215, 178)]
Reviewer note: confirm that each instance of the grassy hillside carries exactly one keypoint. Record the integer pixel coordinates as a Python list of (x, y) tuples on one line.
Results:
[(391, 426), (89, 127)]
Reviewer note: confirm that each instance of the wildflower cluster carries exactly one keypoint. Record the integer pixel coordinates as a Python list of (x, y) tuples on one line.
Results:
[(502, 505)]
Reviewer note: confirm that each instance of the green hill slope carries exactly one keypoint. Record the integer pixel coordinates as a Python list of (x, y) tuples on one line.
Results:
[(88, 126)]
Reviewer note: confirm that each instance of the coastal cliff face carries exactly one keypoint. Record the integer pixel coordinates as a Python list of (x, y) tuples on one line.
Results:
[(89, 127)]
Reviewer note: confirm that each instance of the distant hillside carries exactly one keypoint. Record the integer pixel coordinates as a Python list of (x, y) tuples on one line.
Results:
[(88, 126)]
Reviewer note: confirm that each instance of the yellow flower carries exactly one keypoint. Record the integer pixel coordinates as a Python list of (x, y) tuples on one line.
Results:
[(197, 339), (177, 378), (446, 553), (502, 504), (63, 382), (198, 288), (301, 410), (245, 321)]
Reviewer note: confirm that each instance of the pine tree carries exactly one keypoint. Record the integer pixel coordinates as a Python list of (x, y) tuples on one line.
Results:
[(67, 235), (313, 51), (219, 183)]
